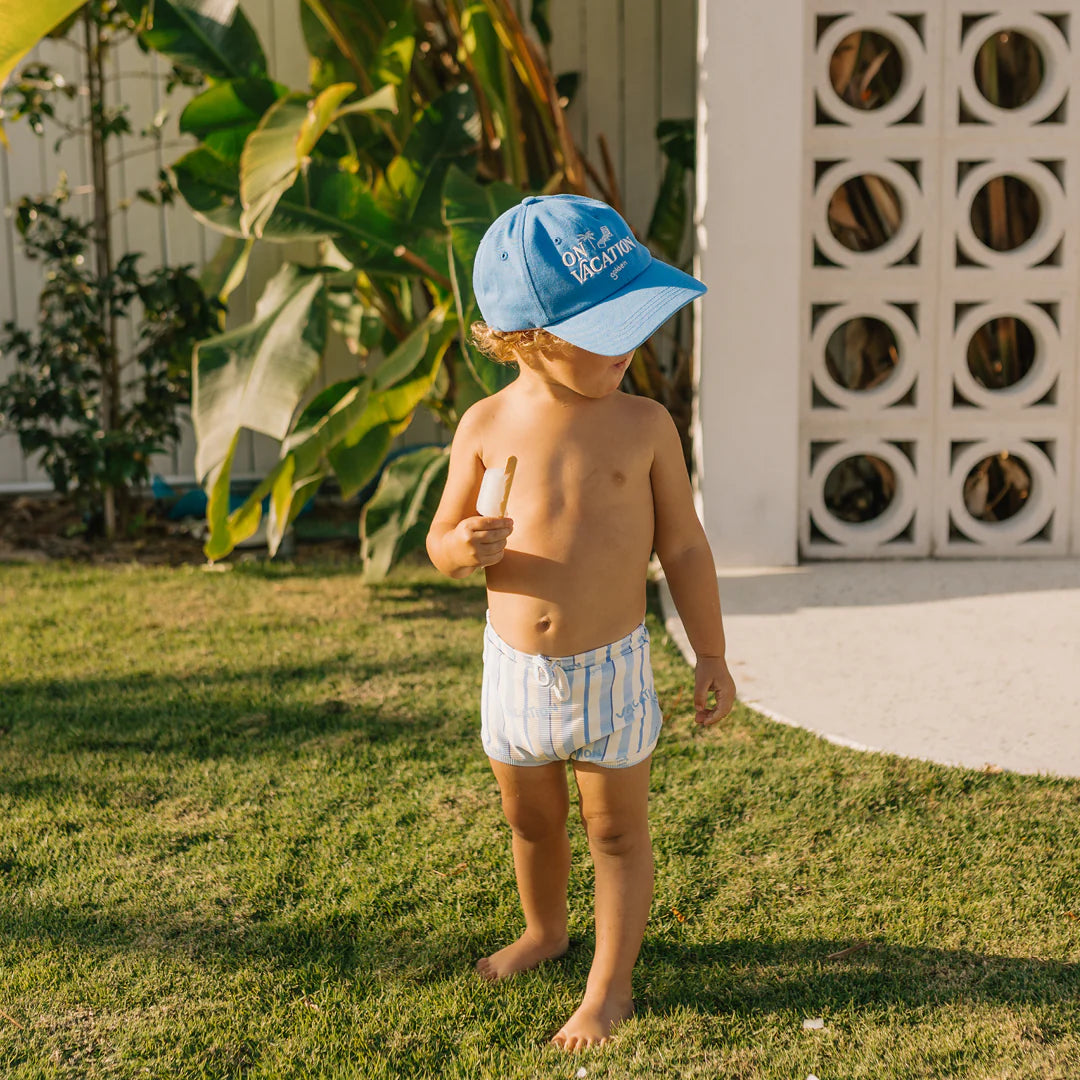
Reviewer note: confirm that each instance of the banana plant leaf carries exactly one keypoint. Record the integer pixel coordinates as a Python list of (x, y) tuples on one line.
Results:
[(348, 428), (325, 203), (280, 147), (468, 209), (370, 44), (225, 270), (399, 385), (671, 211), (447, 131), (396, 519), (213, 36), (223, 116), (23, 25), (254, 376)]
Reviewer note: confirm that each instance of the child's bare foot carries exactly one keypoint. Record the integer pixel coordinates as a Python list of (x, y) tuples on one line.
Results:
[(524, 953), (593, 1021)]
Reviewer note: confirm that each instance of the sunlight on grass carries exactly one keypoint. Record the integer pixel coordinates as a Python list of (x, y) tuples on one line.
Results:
[(249, 830)]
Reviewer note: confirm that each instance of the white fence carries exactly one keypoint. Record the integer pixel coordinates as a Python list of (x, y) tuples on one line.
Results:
[(637, 66)]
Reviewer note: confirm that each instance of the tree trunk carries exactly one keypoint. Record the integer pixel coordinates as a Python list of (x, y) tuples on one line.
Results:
[(108, 359)]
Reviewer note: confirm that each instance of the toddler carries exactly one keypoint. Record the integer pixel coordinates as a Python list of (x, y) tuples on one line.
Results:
[(568, 294)]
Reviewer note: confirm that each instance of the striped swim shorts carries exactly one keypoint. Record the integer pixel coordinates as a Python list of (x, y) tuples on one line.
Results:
[(599, 705)]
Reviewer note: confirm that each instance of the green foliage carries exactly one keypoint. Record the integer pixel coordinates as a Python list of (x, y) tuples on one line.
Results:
[(422, 123), (23, 25), (399, 514), (255, 375), (671, 214), (468, 209), (94, 410), (55, 400), (392, 160), (215, 38)]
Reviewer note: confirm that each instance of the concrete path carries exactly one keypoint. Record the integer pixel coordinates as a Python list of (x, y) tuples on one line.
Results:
[(970, 663)]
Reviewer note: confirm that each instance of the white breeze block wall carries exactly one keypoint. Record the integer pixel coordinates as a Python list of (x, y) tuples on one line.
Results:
[(934, 282), (776, 422)]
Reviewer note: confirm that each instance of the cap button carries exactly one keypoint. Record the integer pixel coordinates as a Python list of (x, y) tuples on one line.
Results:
[(530, 199)]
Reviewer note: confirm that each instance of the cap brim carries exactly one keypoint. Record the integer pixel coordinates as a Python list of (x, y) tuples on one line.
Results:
[(621, 322)]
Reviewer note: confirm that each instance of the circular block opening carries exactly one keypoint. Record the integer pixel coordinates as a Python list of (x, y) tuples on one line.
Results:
[(997, 487), (866, 70), (859, 488), (865, 212), (1009, 69), (861, 353), (1001, 352), (1005, 213)]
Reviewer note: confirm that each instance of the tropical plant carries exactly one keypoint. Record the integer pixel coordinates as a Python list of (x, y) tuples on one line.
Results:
[(22, 26), (95, 413), (422, 123)]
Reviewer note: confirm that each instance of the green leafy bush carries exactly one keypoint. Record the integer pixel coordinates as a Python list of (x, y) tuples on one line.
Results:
[(421, 124), (93, 412)]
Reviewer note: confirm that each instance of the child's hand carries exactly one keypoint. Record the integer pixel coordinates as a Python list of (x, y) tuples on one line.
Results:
[(712, 674), (481, 541)]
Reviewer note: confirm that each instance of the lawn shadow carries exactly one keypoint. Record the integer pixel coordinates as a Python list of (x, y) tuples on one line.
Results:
[(240, 713), (741, 976), (755, 976), (448, 600)]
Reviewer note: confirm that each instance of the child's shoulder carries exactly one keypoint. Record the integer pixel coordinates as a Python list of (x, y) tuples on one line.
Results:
[(479, 418), (642, 410), (485, 410), (644, 406)]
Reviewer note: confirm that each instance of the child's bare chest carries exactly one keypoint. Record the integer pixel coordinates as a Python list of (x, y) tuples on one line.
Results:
[(573, 467), (581, 490), (574, 568)]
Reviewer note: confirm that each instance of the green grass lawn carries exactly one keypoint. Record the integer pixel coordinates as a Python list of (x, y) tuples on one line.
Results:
[(247, 829)]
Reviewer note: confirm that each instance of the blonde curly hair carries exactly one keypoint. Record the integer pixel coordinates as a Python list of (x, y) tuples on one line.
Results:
[(504, 346)]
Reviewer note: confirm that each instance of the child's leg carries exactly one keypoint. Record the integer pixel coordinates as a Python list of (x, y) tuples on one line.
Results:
[(615, 804), (536, 800)]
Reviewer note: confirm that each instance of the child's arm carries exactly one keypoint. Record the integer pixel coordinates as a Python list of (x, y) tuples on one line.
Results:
[(683, 549), (459, 540)]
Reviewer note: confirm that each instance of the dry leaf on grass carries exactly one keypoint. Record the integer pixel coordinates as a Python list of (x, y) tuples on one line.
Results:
[(848, 951), (13, 1020), (453, 870)]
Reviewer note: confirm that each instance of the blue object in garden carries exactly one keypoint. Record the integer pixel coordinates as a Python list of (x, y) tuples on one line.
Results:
[(192, 503)]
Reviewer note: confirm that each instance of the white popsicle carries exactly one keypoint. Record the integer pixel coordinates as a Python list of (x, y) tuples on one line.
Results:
[(495, 490)]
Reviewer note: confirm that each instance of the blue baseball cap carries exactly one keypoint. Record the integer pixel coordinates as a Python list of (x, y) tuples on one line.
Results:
[(571, 265)]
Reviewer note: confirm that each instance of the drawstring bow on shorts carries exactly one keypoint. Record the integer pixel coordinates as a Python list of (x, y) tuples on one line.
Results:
[(548, 673)]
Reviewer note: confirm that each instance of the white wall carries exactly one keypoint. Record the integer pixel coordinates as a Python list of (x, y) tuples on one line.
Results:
[(749, 220)]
